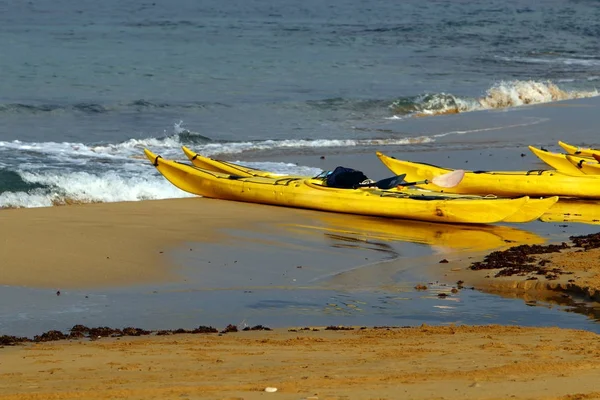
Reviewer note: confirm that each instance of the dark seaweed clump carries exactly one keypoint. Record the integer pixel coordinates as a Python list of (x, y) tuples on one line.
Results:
[(6, 340), (80, 331), (230, 328), (84, 332), (520, 260), (339, 328), (200, 329), (257, 328), (306, 328), (49, 336), (587, 242)]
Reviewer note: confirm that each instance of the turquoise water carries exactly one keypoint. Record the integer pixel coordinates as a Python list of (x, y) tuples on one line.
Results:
[(86, 86)]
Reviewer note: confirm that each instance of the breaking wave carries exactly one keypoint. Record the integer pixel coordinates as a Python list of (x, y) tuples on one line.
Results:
[(170, 145), (518, 93), (63, 188), (503, 94), (62, 173)]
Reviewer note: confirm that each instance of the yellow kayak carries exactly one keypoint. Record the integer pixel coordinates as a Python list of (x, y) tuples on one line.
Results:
[(578, 211), (226, 167), (312, 194), (529, 212), (589, 166), (578, 151), (558, 161), (502, 183)]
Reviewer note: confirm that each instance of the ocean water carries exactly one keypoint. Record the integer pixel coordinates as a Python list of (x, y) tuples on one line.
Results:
[(86, 86)]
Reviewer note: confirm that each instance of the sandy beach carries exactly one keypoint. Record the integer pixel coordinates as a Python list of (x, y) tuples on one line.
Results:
[(79, 247), (482, 362)]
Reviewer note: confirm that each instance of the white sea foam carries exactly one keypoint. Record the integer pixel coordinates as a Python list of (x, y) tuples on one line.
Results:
[(282, 168), (517, 93), (239, 147), (83, 187), (503, 94), (171, 146), (36, 198), (79, 173), (130, 183)]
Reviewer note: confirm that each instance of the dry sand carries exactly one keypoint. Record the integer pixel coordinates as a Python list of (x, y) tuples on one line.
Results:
[(486, 362)]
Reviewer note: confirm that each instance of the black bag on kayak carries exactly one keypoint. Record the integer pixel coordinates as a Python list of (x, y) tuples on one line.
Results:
[(345, 178)]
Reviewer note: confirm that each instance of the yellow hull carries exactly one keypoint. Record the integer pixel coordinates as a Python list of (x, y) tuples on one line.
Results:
[(506, 183), (225, 167), (531, 211), (311, 194), (558, 161), (579, 211), (579, 151), (589, 166)]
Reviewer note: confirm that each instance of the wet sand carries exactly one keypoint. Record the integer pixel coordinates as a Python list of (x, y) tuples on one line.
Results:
[(129, 243), (483, 362), (177, 263), (117, 244)]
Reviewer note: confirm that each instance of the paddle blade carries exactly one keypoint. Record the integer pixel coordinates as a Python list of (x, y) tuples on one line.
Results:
[(450, 179), (388, 183), (597, 157)]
